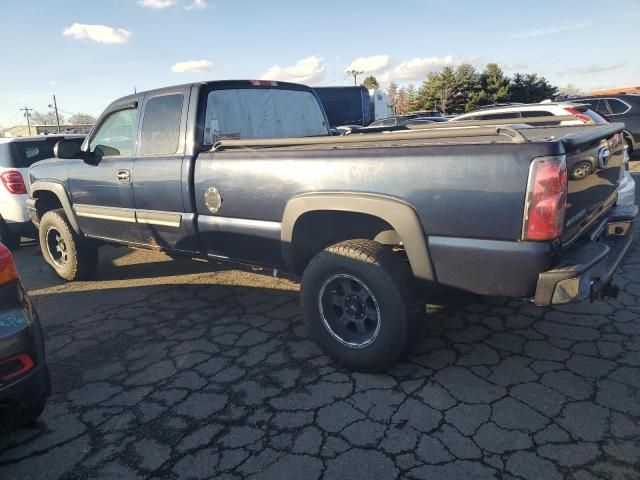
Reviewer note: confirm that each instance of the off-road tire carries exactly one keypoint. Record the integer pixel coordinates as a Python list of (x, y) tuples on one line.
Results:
[(388, 279), (81, 253)]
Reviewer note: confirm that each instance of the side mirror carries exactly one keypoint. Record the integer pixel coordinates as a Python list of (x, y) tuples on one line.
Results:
[(67, 149)]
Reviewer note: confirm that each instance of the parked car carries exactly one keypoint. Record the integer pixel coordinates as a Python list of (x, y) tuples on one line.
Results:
[(24, 375), (626, 201), (16, 156), (401, 120), (246, 171), (346, 105), (619, 108), (525, 112)]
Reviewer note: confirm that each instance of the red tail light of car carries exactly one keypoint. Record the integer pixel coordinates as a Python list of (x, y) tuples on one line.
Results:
[(15, 366), (546, 199), (8, 272), (13, 182), (579, 115)]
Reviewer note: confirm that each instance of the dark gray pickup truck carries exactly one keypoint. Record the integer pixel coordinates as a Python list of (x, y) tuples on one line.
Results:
[(246, 171)]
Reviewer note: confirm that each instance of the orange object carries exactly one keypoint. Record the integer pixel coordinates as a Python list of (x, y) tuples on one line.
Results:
[(8, 272), (616, 91)]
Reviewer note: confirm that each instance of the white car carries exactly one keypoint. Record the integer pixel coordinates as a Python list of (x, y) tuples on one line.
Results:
[(626, 188), (16, 156), (519, 112)]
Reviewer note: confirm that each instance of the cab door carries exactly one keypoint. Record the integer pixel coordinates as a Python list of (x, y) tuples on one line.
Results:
[(102, 193), (160, 173)]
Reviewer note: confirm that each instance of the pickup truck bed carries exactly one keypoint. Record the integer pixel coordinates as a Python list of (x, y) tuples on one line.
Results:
[(493, 209)]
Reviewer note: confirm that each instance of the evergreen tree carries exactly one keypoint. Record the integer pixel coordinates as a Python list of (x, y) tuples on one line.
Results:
[(530, 88), (371, 82)]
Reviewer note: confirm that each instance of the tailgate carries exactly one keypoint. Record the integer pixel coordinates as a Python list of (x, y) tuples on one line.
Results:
[(594, 159)]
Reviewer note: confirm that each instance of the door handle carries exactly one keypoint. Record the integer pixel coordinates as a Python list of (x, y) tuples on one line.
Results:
[(124, 175)]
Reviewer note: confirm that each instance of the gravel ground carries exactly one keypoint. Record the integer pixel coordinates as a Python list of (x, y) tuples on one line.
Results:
[(177, 369)]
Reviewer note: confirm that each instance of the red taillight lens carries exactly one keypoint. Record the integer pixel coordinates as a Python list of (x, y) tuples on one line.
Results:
[(546, 199), (579, 115), (8, 272), (15, 366), (13, 182)]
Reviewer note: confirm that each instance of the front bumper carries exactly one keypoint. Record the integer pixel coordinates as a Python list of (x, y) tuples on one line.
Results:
[(585, 270)]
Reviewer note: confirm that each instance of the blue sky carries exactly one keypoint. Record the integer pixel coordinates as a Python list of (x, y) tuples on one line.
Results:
[(89, 52)]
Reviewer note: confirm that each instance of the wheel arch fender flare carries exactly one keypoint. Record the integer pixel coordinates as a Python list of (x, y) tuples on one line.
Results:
[(397, 213), (60, 192)]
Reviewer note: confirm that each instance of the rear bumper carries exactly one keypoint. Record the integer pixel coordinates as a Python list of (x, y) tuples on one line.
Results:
[(21, 228), (586, 269)]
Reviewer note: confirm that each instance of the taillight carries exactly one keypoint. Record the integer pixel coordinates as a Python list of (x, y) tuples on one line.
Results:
[(8, 272), (579, 115), (13, 182), (546, 199), (15, 366)]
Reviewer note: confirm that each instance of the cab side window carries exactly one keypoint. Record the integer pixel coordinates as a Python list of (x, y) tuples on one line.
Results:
[(116, 137), (161, 125)]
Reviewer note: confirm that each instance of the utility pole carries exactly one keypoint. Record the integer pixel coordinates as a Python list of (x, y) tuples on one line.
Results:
[(28, 116), (354, 74), (55, 107)]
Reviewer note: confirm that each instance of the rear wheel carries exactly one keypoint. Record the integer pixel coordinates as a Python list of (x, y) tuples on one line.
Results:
[(11, 241), (358, 301), (71, 256)]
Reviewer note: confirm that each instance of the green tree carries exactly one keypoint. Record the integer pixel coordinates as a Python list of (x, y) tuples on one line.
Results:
[(494, 88), (449, 90), (467, 83), (371, 82), (437, 90), (530, 88)]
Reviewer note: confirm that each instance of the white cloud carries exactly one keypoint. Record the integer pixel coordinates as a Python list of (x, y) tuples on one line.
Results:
[(97, 33), (157, 4), (514, 66), (192, 66), (417, 68), (307, 70), (196, 5), (539, 32), (592, 69), (371, 64)]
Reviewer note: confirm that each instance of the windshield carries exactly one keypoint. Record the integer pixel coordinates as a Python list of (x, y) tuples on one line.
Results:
[(249, 113)]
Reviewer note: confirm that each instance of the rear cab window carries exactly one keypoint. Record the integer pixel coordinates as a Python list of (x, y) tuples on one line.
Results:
[(161, 125), (256, 113)]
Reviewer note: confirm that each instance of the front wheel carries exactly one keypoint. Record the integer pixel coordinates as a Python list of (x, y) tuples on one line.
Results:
[(71, 256), (358, 301)]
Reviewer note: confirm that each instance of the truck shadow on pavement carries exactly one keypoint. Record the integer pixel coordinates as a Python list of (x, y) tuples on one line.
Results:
[(212, 373)]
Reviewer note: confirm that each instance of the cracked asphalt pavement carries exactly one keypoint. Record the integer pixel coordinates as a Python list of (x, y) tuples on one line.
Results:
[(176, 369)]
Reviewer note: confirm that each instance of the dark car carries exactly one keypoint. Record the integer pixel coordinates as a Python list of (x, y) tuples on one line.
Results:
[(619, 108), (24, 375)]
